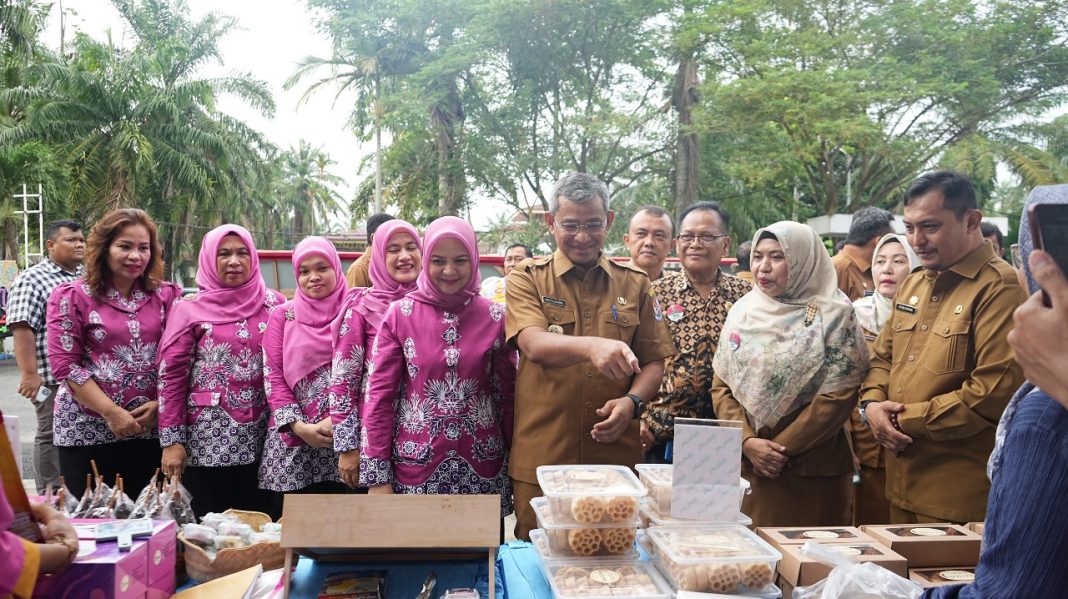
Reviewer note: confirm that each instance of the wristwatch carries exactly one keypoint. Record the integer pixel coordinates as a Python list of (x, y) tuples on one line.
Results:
[(639, 405), (863, 415)]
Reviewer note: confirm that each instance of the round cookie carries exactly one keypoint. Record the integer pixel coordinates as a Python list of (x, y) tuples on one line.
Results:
[(620, 509), (723, 578), (618, 540), (584, 541), (687, 578), (756, 576), (587, 510)]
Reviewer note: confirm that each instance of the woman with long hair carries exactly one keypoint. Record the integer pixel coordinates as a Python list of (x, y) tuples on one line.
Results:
[(103, 332), (213, 410)]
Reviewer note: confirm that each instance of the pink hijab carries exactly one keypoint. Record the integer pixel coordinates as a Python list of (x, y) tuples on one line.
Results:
[(448, 227), (308, 344), (384, 288), (216, 303)]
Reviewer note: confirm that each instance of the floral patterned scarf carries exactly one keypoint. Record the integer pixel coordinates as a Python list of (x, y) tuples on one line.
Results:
[(778, 353)]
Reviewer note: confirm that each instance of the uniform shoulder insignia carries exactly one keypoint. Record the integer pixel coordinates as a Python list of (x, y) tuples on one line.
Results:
[(627, 266), (530, 263)]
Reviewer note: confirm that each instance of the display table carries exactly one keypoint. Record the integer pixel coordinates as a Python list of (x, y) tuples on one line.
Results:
[(518, 575)]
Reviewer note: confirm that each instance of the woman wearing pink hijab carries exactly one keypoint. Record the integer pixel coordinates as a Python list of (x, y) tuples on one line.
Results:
[(395, 263), (297, 348), (443, 345), (212, 407)]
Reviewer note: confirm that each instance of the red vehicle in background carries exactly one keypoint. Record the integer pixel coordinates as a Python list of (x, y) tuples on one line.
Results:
[(276, 266)]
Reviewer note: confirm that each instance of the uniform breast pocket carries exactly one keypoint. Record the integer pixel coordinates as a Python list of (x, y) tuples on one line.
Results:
[(904, 328), (565, 319), (620, 325), (947, 349)]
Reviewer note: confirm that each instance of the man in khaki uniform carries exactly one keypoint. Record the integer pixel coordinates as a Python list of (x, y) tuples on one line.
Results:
[(648, 240), (942, 370), (592, 344), (852, 263), (359, 273)]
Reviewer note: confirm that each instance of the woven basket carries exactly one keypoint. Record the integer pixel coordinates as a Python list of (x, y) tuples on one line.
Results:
[(202, 568)]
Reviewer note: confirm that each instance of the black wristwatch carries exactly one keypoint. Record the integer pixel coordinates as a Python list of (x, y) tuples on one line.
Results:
[(863, 415), (639, 405)]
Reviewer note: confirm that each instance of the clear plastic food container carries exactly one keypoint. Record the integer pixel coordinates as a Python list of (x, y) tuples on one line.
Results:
[(638, 580), (651, 516), (573, 543), (657, 478), (591, 494), (714, 558)]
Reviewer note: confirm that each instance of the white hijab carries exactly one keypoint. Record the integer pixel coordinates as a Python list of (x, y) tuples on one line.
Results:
[(777, 353), (874, 310)]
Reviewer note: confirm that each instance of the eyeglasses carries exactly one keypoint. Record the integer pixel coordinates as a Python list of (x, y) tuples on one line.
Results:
[(704, 237), (574, 228)]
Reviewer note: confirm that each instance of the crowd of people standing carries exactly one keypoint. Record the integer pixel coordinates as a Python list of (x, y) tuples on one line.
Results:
[(426, 381)]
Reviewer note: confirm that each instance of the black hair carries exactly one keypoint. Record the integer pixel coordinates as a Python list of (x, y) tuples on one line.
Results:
[(724, 218), (958, 193), (52, 228), (526, 249), (374, 221), (867, 223), (989, 229), (743, 255)]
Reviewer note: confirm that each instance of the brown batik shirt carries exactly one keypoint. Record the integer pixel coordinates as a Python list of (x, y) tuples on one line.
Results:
[(694, 323)]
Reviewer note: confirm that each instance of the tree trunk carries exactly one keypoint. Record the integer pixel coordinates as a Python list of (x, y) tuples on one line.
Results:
[(687, 157), (447, 121)]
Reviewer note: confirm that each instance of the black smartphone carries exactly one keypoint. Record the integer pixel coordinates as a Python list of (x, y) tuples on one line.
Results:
[(1049, 229)]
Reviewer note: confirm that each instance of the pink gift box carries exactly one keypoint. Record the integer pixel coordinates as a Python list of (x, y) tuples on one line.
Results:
[(100, 570), (160, 555)]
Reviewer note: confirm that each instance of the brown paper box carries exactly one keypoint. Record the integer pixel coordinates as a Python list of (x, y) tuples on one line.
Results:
[(797, 535), (940, 577), (929, 545), (798, 570), (976, 527)]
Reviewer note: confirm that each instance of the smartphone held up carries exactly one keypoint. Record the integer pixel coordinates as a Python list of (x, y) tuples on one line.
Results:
[(1049, 229)]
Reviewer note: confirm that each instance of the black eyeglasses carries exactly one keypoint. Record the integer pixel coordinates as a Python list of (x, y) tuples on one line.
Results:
[(704, 237), (574, 228)]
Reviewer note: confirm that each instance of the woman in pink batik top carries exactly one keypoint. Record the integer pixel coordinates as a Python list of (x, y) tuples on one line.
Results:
[(298, 454), (212, 407), (438, 416), (395, 263), (103, 330)]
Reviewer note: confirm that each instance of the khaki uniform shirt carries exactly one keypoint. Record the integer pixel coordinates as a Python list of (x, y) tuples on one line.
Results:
[(854, 272), (555, 408), (944, 354), (359, 274), (695, 324)]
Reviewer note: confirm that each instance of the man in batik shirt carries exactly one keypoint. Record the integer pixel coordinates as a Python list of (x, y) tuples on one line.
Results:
[(695, 303)]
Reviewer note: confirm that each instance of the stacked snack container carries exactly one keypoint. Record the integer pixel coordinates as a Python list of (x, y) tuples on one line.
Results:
[(588, 521), (657, 506), (714, 558)]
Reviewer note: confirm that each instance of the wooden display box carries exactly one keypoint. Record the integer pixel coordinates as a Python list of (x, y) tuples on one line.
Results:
[(796, 570), (798, 535), (940, 577), (391, 527), (929, 545)]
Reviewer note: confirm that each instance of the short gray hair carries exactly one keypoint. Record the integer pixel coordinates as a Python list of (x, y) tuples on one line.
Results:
[(578, 188)]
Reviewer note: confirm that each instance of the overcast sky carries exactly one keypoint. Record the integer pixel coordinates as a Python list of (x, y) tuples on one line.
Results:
[(274, 35)]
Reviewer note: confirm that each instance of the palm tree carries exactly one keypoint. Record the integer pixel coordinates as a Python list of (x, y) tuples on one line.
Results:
[(138, 127), (307, 196)]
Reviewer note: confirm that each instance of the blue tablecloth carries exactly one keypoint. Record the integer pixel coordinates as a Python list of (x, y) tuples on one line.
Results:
[(405, 578)]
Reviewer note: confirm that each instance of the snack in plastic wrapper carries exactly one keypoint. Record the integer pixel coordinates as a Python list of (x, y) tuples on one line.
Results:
[(229, 542), (196, 533)]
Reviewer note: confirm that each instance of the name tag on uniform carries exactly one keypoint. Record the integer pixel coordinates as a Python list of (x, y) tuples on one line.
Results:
[(906, 308), (552, 301)]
